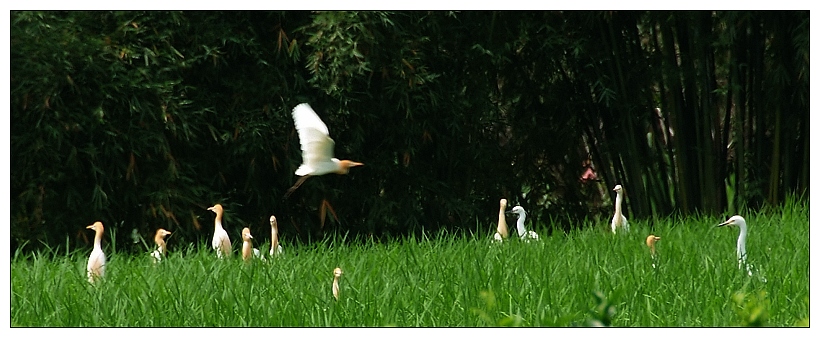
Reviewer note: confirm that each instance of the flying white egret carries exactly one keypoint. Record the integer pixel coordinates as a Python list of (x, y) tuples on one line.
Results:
[(248, 251), (96, 261), (275, 247), (501, 231), (650, 242), (738, 221), (221, 242), (317, 147), (522, 231), (337, 273), (618, 220), (159, 238)]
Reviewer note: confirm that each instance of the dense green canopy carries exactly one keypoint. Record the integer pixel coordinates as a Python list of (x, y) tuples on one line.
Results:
[(144, 119)]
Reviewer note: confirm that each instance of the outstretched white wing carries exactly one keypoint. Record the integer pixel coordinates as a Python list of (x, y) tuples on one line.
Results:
[(304, 117), (317, 146)]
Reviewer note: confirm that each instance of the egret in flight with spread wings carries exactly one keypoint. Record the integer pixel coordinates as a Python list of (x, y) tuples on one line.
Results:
[(522, 231), (275, 247), (96, 261), (159, 238), (221, 242), (317, 147), (501, 231), (618, 220)]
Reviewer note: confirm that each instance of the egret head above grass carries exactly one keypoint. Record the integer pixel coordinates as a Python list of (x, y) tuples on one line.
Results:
[(522, 231), (337, 273), (501, 231), (159, 238), (618, 219), (220, 242), (96, 261), (248, 251), (740, 222), (650, 242), (275, 247), (247, 246)]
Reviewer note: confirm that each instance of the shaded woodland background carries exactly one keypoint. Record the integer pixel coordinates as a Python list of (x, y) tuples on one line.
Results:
[(144, 119)]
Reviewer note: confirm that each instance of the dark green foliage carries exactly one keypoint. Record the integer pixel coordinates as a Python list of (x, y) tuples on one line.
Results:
[(144, 119)]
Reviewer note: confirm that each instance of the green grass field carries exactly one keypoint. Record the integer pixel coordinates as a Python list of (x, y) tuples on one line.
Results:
[(445, 281)]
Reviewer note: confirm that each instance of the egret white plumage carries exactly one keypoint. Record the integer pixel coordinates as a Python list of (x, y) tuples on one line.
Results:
[(739, 222), (317, 147), (501, 230), (248, 251), (159, 238), (221, 242), (522, 231), (650, 242), (275, 247), (618, 220), (96, 261), (337, 273)]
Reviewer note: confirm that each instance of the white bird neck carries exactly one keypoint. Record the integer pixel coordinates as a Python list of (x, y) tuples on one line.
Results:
[(218, 222), (520, 224), (618, 199), (741, 242)]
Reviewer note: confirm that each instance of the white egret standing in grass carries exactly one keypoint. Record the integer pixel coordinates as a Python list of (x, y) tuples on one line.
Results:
[(501, 231), (650, 242), (317, 147), (96, 261), (618, 220), (221, 242), (522, 231), (275, 247), (337, 273), (738, 221), (159, 238)]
